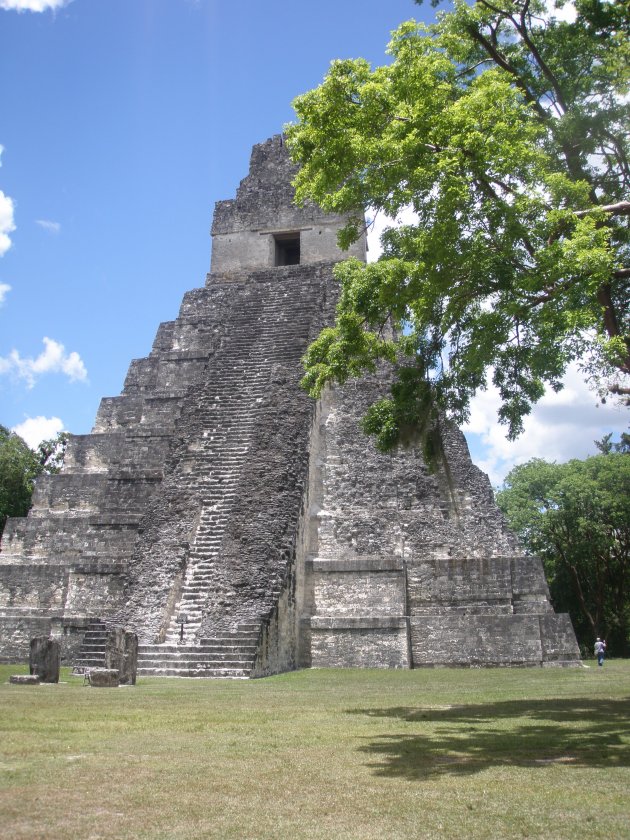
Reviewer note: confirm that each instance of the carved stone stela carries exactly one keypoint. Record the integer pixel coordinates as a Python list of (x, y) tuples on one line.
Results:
[(241, 529)]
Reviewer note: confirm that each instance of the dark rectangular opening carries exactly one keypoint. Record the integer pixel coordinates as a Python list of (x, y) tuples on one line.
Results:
[(287, 248)]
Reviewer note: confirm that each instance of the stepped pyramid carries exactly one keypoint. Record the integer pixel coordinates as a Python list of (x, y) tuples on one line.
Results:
[(242, 529)]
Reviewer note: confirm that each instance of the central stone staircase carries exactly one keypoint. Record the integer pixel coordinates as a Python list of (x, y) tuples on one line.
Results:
[(266, 336), (228, 655)]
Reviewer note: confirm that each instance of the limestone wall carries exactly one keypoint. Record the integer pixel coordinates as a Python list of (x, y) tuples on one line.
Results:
[(243, 229), (412, 564)]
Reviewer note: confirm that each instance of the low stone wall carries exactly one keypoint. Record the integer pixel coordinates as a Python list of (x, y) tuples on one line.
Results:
[(32, 585), (476, 640), (359, 642), (17, 632)]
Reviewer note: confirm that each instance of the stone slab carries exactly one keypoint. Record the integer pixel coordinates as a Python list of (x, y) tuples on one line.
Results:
[(358, 623), (358, 564), (104, 678), (45, 659), (121, 654)]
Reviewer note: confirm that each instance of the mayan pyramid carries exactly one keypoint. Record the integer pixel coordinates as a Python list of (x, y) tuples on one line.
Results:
[(241, 528)]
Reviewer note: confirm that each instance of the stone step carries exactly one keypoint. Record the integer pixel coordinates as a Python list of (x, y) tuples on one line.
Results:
[(207, 673), (186, 653), (250, 636), (229, 655), (86, 662), (192, 593), (245, 663), (233, 652), (206, 646)]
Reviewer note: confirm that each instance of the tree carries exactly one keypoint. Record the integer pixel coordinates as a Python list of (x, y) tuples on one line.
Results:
[(502, 129), (606, 445), (19, 466), (576, 516), (51, 452)]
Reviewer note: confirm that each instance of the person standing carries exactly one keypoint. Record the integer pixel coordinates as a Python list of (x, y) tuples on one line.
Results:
[(600, 650)]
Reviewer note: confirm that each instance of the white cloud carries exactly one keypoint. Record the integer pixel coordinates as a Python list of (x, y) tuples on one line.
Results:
[(7, 225), (33, 5), (1, 150), (51, 227), (4, 290), (53, 359), (36, 429), (565, 12), (561, 426)]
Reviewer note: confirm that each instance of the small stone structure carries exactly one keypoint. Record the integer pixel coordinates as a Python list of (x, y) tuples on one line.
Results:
[(24, 679), (104, 678), (45, 659), (214, 487)]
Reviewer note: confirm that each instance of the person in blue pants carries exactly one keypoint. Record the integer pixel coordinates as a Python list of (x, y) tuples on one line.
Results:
[(600, 650)]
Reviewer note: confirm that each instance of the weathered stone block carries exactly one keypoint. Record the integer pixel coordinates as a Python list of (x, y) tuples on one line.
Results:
[(359, 593), (45, 659), (121, 654), (24, 679), (104, 678)]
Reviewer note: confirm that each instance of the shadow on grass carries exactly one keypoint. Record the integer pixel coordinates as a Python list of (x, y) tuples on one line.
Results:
[(462, 740)]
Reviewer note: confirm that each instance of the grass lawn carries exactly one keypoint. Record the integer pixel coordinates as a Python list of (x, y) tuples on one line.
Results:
[(321, 754)]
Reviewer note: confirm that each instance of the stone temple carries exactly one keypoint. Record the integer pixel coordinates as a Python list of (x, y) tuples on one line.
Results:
[(241, 528)]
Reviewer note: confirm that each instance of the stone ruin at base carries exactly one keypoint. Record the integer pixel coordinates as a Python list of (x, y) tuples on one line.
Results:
[(240, 528)]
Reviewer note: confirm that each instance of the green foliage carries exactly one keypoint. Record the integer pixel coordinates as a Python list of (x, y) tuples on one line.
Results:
[(51, 453), (503, 129), (576, 516), (606, 445), (19, 467)]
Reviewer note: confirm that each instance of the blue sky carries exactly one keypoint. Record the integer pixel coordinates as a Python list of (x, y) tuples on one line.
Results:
[(121, 123)]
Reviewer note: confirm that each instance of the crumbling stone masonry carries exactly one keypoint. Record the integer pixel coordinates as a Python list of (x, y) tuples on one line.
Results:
[(214, 497)]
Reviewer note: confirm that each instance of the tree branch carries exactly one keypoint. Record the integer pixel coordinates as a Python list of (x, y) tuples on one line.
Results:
[(621, 208), (542, 64), (473, 68)]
